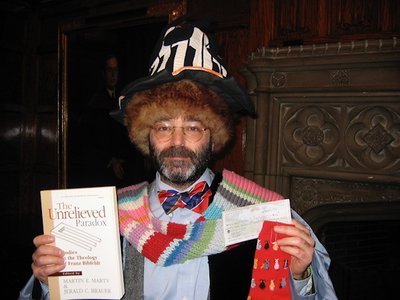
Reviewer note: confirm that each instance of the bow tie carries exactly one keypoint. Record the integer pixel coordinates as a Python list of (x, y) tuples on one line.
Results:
[(196, 199)]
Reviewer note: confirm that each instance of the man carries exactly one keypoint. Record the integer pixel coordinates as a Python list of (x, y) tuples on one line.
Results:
[(105, 151), (181, 115), (111, 73)]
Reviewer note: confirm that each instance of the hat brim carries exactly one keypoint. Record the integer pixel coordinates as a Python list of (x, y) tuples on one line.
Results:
[(236, 98)]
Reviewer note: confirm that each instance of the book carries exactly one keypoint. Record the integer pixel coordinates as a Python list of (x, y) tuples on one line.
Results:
[(84, 222)]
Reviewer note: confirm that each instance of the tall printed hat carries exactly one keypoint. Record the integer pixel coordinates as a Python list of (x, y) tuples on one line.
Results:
[(184, 51)]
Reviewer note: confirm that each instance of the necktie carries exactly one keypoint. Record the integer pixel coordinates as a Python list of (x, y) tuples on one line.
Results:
[(195, 199), (270, 278)]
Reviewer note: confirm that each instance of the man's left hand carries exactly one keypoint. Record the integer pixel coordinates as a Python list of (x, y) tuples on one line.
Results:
[(299, 244)]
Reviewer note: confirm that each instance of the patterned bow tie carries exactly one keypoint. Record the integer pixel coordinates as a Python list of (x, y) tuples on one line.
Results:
[(196, 199)]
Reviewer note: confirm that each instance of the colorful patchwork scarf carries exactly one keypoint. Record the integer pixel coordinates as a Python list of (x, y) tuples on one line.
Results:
[(166, 243)]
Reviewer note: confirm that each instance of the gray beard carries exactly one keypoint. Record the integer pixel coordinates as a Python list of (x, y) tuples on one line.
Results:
[(181, 173)]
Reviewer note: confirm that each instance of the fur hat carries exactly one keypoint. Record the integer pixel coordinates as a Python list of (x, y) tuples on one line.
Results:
[(185, 98), (186, 77)]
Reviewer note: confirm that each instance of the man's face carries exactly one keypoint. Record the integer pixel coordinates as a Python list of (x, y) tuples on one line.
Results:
[(111, 72), (181, 150)]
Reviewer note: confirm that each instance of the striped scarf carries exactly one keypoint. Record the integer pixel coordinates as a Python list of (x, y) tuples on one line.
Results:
[(166, 243)]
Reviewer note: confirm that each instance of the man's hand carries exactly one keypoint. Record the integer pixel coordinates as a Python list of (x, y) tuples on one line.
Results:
[(47, 259), (299, 244), (117, 167)]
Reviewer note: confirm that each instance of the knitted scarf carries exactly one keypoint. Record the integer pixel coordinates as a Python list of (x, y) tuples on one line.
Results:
[(166, 243)]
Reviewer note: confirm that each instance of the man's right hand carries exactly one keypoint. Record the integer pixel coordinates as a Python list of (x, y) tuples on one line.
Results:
[(117, 167), (47, 259)]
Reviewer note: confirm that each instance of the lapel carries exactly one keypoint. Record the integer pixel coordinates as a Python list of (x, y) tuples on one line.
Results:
[(230, 271)]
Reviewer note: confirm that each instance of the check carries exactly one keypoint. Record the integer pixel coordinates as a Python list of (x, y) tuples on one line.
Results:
[(245, 223)]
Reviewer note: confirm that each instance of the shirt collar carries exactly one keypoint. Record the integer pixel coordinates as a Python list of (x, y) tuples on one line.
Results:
[(110, 92), (207, 176), (158, 185)]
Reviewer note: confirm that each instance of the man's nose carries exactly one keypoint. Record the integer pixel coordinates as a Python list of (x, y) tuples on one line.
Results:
[(178, 137)]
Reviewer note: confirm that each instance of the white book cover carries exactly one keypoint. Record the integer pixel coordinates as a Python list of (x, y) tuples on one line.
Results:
[(84, 222)]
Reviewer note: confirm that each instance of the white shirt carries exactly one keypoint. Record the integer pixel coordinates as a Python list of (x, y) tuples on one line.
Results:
[(187, 281)]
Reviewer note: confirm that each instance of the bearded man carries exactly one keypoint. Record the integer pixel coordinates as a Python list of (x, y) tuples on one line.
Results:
[(181, 115)]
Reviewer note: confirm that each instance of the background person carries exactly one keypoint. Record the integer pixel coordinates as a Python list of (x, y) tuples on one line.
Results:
[(103, 150)]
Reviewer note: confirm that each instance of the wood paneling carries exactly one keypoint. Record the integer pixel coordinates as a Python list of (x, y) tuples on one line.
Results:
[(301, 22), (234, 47), (359, 17), (15, 129)]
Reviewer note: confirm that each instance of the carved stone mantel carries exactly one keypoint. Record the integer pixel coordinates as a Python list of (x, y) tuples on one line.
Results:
[(328, 125)]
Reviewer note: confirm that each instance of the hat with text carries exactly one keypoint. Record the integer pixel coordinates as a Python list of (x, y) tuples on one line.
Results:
[(184, 51)]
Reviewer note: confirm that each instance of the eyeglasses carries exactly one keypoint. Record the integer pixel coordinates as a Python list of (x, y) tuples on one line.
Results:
[(113, 70), (191, 132)]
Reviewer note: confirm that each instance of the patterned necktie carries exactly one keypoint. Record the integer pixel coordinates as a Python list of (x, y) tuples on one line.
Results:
[(270, 278), (196, 199)]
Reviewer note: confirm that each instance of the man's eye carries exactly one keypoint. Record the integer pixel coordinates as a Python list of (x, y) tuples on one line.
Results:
[(164, 128), (193, 129)]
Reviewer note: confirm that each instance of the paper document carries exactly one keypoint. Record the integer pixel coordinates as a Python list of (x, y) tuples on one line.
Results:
[(245, 223)]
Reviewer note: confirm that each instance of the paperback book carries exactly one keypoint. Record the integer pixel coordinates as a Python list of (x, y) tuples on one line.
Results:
[(84, 222)]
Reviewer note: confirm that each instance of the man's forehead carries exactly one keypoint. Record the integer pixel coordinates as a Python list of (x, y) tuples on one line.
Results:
[(112, 61)]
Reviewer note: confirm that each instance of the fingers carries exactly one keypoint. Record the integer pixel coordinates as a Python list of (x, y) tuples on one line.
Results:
[(299, 243), (42, 273), (47, 259), (46, 255), (42, 240), (307, 233), (298, 235), (118, 169)]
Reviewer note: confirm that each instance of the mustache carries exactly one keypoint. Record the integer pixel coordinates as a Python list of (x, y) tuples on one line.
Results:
[(177, 151)]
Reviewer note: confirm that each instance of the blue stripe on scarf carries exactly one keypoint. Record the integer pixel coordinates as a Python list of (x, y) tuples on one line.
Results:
[(183, 247)]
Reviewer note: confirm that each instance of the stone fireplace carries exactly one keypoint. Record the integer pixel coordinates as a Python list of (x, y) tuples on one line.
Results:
[(327, 136)]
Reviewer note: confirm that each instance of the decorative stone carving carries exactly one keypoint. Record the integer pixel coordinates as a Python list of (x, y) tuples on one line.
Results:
[(376, 137), (278, 79), (328, 126), (313, 136), (311, 192), (310, 135), (340, 77)]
